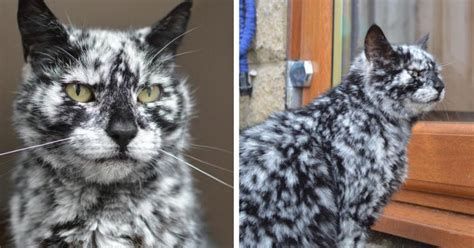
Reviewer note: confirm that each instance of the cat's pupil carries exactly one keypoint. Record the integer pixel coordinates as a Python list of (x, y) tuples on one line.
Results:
[(148, 91), (416, 73), (78, 89)]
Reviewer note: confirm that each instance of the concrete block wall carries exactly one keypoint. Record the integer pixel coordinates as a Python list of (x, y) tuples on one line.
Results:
[(268, 58)]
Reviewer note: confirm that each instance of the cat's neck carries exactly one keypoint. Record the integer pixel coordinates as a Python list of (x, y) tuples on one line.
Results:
[(353, 89)]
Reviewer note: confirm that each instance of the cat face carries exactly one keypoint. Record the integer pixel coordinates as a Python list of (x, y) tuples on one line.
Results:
[(405, 80), (115, 94)]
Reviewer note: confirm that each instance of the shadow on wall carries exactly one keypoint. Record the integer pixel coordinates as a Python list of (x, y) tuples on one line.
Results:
[(210, 75)]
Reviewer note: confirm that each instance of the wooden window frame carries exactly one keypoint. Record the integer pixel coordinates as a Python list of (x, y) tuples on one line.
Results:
[(436, 203)]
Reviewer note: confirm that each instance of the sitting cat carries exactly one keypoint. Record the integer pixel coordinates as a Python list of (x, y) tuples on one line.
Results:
[(122, 113), (319, 176)]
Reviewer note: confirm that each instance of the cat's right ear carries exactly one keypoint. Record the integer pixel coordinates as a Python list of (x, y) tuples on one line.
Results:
[(39, 27), (423, 42), (376, 45)]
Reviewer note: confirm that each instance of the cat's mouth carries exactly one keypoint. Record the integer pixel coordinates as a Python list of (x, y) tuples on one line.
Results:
[(429, 98), (120, 157)]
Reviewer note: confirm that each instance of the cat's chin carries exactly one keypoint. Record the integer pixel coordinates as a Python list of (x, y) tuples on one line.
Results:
[(117, 167), (109, 171), (420, 105), (417, 109)]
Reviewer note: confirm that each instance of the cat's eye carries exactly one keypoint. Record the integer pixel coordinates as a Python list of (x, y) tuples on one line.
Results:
[(417, 73), (149, 94), (79, 92)]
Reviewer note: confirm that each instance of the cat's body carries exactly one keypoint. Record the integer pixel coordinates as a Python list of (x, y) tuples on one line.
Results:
[(117, 179), (320, 175)]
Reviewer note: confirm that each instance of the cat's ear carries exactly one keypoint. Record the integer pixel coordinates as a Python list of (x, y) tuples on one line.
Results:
[(38, 26), (376, 46), (423, 42), (168, 32)]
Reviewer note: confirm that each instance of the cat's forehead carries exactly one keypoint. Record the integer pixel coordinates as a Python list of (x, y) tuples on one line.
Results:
[(111, 55), (415, 58), (107, 45)]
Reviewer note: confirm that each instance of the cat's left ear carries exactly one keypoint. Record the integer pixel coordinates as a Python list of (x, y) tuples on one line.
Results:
[(168, 32), (376, 45), (423, 42)]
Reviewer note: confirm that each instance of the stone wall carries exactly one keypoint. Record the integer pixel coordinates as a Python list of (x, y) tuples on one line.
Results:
[(268, 58)]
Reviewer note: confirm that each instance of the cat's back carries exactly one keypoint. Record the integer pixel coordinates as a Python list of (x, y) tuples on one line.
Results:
[(305, 128), (285, 182)]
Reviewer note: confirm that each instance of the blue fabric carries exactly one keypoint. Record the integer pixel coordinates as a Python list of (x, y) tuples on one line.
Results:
[(247, 31)]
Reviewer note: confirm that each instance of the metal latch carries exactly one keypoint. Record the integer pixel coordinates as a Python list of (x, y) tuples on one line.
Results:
[(245, 83), (299, 73)]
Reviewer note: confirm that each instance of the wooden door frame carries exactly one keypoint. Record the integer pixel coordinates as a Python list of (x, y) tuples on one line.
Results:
[(436, 204), (310, 38)]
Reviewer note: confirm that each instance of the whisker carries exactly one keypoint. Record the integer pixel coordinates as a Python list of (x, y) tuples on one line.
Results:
[(197, 169), (69, 54), (139, 181), (173, 40), (47, 55), (449, 63), (212, 148), (32, 147), (68, 19), (12, 161), (180, 54), (174, 66), (445, 111), (210, 164)]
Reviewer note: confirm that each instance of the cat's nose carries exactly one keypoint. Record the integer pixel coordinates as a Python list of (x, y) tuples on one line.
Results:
[(122, 130), (438, 85), (439, 88)]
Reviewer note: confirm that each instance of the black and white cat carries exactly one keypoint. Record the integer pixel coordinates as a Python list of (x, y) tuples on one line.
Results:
[(121, 113), (319, 176)]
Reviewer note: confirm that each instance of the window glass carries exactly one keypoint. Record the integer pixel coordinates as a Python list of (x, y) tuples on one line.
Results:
[(451, 28)]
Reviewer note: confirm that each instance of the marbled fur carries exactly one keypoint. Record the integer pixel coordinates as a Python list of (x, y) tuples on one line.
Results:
[(86, 192), (319, 176)]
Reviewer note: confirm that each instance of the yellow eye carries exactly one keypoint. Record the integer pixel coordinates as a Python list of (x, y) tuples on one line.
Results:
[(79, 92), (149, 94)]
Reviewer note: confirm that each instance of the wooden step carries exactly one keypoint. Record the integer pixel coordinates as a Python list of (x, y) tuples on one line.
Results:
[(432, 226)]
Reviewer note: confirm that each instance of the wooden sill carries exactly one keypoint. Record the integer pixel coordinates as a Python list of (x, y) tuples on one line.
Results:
[(440, 155), (428, 225), (438, 201)]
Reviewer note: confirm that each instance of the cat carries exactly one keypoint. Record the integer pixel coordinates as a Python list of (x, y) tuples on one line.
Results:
[(121, 113), (319, 176)]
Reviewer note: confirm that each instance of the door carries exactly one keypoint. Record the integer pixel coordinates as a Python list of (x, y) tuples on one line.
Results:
[(436, 204)]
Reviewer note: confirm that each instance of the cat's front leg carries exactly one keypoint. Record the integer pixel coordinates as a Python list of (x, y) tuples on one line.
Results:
[(352, 235)]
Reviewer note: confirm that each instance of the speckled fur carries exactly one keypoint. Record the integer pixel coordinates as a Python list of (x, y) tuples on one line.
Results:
[(80, 193), (319, 176)]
